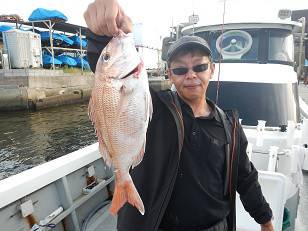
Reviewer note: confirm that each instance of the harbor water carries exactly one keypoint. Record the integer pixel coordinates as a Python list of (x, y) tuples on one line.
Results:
[(28, 139)]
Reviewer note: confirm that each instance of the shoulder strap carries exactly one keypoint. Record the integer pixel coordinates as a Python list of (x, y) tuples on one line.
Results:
[(170, 99), (226, 123), (232, 159), (234, 170), (227, 127)]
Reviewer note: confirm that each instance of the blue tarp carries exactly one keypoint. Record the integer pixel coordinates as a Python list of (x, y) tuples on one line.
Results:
[(306, 62), (86, 64), (67, 40), (55, 36), (44, 14), (5, 28), (47, 60), (67, 60), (58, 38), (76, 40)]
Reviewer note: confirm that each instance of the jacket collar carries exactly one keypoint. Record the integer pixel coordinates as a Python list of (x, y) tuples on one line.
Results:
[(213, 115)]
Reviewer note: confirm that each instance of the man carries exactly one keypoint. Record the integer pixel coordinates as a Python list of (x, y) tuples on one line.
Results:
[(195, 156)]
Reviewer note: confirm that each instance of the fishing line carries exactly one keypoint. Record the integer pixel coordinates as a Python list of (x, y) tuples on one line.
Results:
[(220, 55)]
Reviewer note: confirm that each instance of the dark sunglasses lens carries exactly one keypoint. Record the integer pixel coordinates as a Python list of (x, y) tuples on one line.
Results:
[(180, 71), (200, 68)]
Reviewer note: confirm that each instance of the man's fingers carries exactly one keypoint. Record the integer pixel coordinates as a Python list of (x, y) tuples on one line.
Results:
[(124, 22), (90, 18), (127, 25), (106, 17), (110, 17), (86, 15)]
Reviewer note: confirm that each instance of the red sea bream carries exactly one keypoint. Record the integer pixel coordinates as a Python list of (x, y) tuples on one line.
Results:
[(120, 109)]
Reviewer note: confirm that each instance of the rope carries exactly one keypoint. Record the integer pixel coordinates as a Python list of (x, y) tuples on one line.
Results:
[(52, 226)]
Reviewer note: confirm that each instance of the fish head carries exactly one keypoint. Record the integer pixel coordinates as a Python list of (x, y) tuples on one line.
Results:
[(119, 58)]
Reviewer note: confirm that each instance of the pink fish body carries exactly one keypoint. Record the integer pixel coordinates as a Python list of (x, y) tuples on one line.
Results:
[(120, 109)]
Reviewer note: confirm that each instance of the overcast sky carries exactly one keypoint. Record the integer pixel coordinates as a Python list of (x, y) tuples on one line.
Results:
[(157, 16)]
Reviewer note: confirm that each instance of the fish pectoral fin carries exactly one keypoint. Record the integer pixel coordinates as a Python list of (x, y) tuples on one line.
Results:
[(125, 192), (149, 107), (139, 157), (123, 104)]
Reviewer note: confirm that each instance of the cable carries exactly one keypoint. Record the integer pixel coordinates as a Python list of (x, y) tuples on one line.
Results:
[(91, 214), (220, 55)]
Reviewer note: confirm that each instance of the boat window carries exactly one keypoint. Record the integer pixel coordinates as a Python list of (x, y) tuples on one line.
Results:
[(280, 46), (234, 45)]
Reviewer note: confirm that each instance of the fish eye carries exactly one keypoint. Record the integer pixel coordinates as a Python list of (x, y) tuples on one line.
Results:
[(106, 57)]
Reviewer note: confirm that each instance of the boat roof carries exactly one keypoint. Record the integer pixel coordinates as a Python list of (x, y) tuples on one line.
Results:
[(288, 25)]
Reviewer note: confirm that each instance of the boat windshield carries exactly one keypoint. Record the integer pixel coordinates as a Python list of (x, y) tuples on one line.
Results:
[(280, 46), (270, 45), (251, 98)]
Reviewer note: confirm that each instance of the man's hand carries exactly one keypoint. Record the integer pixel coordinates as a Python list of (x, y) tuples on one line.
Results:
[(267, 226), (106, 17)]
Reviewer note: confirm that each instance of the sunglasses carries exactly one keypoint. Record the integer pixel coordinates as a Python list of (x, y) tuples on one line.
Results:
[(184, 70)]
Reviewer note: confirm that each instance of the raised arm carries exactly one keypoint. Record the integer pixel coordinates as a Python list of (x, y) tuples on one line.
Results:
[(104, 19)]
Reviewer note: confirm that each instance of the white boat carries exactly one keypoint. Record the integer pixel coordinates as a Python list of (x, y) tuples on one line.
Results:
[(58, 194), (257, 76)]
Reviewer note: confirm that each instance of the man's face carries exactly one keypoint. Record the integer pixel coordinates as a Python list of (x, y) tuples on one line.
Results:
[(193, 84)]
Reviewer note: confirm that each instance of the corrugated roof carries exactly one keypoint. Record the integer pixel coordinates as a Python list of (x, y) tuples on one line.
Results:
[(59, 26)]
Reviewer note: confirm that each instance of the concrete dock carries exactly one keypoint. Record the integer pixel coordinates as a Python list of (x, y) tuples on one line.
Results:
[(22, 89), (34, 89)]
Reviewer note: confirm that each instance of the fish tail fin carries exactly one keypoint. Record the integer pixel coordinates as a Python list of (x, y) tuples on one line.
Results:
[(126, 192)]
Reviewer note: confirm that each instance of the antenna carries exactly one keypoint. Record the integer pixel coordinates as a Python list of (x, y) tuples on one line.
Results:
[(192, 19), (193, 13), (172, 25)]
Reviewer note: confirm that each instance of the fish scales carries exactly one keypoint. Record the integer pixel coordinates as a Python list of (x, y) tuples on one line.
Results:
[(120, 109)]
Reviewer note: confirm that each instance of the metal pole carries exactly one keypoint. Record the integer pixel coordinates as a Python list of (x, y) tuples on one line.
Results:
[(51, 45), (301, 47), (81, 52)]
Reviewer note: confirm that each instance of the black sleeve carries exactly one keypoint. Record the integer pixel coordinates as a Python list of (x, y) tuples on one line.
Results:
[(96, 44), (248, 186)]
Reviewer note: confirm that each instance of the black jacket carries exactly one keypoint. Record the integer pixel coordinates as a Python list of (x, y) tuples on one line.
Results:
[(155, 176)]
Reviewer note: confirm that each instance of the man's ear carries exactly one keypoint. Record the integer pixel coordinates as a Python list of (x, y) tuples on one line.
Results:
[(212, 68), (169, 75)]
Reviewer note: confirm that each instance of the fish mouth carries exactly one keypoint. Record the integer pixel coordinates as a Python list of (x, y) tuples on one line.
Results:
[(131, 72)]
